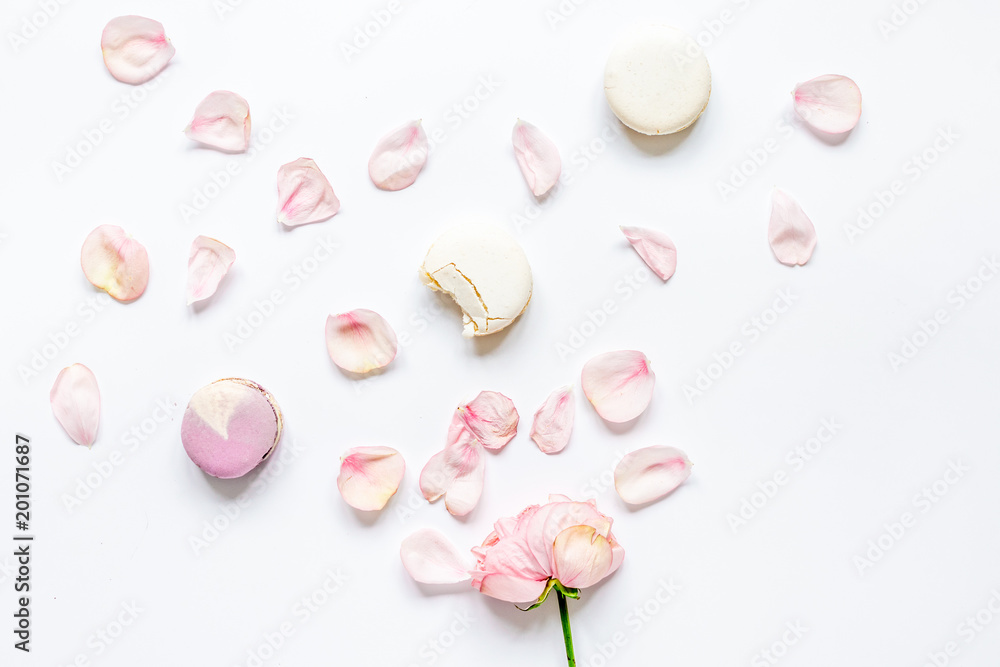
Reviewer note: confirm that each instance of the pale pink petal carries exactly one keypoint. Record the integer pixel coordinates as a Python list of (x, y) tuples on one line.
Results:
[(398, 157), (655, 248), (649, 474), (492, 419), (360, 341), (369, 476), (830, 103), (554, 421), (581, 557), (618, 384), (208, 263), (115, 262), (537, 156), (221, 120), (791, 233), (431, 558), (76, 403), (304, 194), (135, 48), (511, 589), (457, 473)]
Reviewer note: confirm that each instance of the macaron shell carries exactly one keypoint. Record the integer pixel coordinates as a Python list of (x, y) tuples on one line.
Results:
[(230, 426), (657, 80)]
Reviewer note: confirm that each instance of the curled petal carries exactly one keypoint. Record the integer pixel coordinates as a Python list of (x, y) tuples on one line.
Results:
[(618, 384), (791, 233), (511, 588), (221, 120), (554, 421), (649, 474), (304, 194), (76, 403), (655, 248), (492, 419), (537, 156), (456, 473), (431, 558), (208, 263), (369, 476), (135, 48), (830, 103), (115, 262), (360, 341), (398, 157), (581, 557)]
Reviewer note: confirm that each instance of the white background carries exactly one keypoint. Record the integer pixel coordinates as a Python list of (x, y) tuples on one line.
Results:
[(129, 541)]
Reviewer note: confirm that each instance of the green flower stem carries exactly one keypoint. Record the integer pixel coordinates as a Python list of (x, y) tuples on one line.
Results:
[(567, 633)]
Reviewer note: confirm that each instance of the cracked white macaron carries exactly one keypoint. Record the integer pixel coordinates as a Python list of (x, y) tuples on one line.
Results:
[(657, 80), (230, 426), (485, 271)]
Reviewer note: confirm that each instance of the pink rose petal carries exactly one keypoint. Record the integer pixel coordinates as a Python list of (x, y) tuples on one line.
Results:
[(618, 384), (76, 403), (208, 263), (655, 248), (431, 558), (304, 194), (221, 120), (360, 341), (830, 103), (369, 476), (135, 48), (115, 262), (492, 419), (537, 156), (649, 474), (581, 557), (456, 473), (398, 157), (554, 421), (791, 233)]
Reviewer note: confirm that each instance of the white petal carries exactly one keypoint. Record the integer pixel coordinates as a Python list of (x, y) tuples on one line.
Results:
[(618, 384), (221, 120), (648, 474), (369, 476), (398, 157), (115, 262), (360, 341), (76, 403), (554, 421), (537, 156), (830, 103), (208, 263), (655, 248), (431, 558), (791, 233)]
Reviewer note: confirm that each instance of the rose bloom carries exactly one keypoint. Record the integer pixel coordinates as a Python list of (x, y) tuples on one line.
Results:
[(568, 541)]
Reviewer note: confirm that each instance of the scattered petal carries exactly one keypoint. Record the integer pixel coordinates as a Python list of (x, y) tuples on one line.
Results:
[(360, 341), (431, 558), (537, 156), (221, 120), (76, 403), (791, 233), (649, 474), (135, 48), (456, 473), (581, 557), (554, 421), (208, 263), (398, 157), (115, 262), (830, 103), (369, 476), (618, 384), (492, 419), (655, 248), (304, 194)]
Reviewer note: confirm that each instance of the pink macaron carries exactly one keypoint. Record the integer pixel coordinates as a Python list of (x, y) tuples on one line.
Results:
[(230, 426)]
